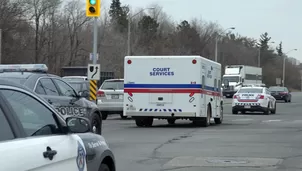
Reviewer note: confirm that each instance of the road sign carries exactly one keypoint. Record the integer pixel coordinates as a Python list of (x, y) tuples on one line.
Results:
[(278, 81), (91, 56), (94, 71), (92, 89)]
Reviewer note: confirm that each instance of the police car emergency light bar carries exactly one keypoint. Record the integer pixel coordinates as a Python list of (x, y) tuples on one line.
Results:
[(24, 68)]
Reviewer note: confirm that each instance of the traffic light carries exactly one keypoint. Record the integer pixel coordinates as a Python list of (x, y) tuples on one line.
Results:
[(93, 8)]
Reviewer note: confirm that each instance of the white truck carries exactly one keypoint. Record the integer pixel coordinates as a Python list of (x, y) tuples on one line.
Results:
[(172, 87), (235, 76)]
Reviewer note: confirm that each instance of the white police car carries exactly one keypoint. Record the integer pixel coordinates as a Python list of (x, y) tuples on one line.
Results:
[(253, 99), (34, 136)]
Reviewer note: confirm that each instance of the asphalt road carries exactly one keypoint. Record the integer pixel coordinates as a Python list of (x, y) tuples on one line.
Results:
[(242, 143)]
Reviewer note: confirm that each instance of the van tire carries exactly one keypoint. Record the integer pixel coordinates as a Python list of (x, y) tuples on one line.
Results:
[(204, 122), (171, 121), (219, 120), (139, 122), (148, 122), (104, 115), (97, 123)]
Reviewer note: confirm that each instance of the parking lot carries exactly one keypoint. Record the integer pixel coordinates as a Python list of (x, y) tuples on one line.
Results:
[(243, 142)]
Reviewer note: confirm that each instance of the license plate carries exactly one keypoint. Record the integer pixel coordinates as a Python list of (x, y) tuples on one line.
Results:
[(247, 107), (228, 94), (114, 96)]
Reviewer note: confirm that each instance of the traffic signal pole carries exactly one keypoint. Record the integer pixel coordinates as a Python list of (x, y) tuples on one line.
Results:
[(95, 40)]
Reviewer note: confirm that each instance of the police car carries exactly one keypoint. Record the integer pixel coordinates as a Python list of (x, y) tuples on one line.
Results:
[(253, 99), (55, 90), (34, 136)]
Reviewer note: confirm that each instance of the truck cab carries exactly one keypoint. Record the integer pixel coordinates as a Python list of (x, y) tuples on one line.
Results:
[(237, 75)]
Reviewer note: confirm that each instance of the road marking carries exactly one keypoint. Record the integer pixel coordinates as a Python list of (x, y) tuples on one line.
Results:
[(247, 119), (276, 120)]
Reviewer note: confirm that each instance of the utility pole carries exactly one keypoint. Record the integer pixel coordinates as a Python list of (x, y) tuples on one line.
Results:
[(283, 69), (129, 29), (216, 42)]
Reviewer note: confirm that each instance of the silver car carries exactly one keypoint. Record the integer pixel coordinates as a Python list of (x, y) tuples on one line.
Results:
[(110, 97)]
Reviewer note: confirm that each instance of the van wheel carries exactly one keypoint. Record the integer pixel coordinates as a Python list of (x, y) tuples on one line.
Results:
[(219, 120), (205, 122), (171, 121), (139, 122), (104, 115), (148, 122), (96, 124)]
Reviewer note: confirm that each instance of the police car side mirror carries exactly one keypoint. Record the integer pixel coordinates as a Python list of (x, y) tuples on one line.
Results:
[(78, 125)]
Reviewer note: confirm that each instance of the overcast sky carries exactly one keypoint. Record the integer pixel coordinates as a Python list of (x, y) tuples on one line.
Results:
[(282, 19)]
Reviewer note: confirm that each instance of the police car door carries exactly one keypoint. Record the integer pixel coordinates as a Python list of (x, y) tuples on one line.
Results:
[(46, 147), (74, 104), (46, 88)]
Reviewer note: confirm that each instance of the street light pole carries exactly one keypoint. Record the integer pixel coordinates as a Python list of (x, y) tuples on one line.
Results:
[(216, 42), (283, 70), (129, 29)]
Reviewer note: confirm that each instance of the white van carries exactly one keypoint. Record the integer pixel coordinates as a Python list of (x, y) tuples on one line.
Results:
[(172, 87)]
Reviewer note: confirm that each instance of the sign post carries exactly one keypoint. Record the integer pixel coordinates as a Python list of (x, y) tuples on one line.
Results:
[(93, 9), (278, 81)]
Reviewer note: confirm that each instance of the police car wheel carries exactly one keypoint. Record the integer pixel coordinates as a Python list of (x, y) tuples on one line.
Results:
[(274, 110), (104, 167), (266, 110), (104, 115), (96, 124)]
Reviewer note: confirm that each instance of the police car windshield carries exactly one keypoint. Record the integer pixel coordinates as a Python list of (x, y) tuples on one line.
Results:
[(113, 85), (250, 90), (231, 79), (277, 89)]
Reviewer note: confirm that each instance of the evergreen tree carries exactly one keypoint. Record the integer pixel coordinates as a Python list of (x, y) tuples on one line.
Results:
[(280, 49), (264, 40), (148, 25), (119, 15)]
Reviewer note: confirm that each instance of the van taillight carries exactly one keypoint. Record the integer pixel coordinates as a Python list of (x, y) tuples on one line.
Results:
[(260, 97), (129, 61), (194, 61), (100, 94)]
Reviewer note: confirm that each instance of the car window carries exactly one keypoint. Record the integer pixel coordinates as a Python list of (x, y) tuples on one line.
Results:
[(277, 88), (40, 89), (113, 85), (5, 130), (65, 89), (35, 118), (250, 90), (49, 87)]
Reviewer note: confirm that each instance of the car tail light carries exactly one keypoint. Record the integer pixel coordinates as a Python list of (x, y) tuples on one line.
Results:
[(129, 61), (194, 61), (100, 94), (235, 97), (260, 97)]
